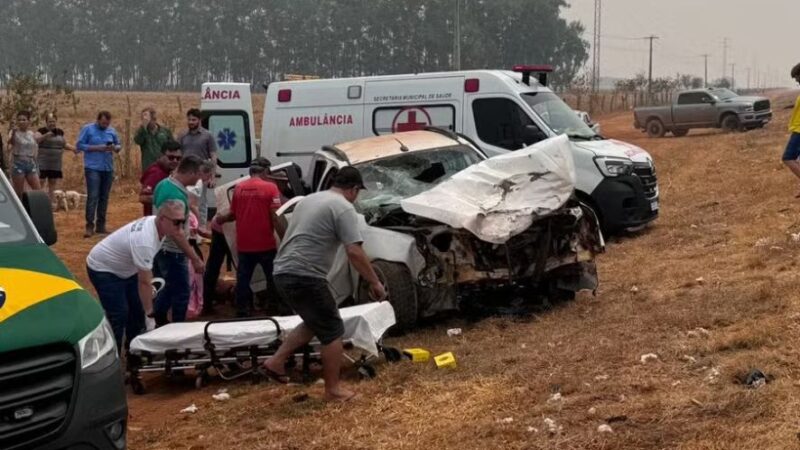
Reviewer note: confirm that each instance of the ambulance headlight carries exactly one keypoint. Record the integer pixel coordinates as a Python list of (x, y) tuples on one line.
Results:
[(98, 348), (613, 167)]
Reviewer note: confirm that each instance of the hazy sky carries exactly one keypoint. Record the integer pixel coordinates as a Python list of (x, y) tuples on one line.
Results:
[(762, 36)]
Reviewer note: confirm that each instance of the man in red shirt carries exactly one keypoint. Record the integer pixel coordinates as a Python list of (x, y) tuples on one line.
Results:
[(253, 207), (170, 157)]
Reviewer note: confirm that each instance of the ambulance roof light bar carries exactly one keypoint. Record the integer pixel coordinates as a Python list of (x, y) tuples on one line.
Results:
[(541, 70)]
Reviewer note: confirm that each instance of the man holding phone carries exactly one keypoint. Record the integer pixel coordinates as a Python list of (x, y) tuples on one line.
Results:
[(98, 142)]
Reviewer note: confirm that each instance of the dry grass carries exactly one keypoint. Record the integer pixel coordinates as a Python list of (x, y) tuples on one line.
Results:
[(728, 209)]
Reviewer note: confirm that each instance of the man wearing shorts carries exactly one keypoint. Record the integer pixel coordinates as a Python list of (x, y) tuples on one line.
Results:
[(320, 223), (791, 156)]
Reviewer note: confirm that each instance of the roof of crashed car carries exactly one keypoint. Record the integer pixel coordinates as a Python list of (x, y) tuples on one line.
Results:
[(385, 145)]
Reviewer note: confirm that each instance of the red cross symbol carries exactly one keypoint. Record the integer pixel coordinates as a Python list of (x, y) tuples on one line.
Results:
[(411, 123)]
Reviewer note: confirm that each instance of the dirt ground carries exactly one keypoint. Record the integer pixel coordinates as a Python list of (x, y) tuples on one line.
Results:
[(710, 288)]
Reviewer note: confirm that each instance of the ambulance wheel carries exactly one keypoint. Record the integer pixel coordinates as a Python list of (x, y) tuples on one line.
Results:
[(392, 354), (136, 386), (400, 292), (367, 372)]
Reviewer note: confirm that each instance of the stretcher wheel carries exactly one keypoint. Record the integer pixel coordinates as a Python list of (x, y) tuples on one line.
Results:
[(392, 354), (367, 372), (136, 386)]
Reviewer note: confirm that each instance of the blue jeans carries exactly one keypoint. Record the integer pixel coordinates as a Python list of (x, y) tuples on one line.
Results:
[(120, 300), (98, 188), (244, 275), (174, 269), (792, 152)]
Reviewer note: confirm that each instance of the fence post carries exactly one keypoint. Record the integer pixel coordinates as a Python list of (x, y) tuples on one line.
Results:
[(128, 142)]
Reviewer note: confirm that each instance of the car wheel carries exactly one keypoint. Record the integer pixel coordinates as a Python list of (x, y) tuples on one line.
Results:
[(730, 123), (680, 132), (37, 205), (655, 128), (400, 292)]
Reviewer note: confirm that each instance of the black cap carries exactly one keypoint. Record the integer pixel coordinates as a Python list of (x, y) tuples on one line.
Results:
[(347, 178)]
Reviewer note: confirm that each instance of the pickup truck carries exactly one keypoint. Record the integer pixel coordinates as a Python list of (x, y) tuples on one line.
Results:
[(704, 108)]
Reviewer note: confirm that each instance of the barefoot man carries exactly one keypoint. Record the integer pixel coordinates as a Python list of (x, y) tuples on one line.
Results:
[(320, 223)]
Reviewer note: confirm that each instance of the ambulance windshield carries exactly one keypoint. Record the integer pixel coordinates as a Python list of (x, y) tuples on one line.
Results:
[(13, 228), (390, 180), (559, 116)]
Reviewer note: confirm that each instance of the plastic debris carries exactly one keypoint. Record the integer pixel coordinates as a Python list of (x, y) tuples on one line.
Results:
[(555, 398), (533, 430), (454, 332), (698, 332), (601, 377), (506, 420), (191, 409), (605, 428), (700, 280), (713, 375), (755, 379), (648, 357), (221, 397), (693, 226), (697, 402), (762, 242), (795, 237), (592, 411), (689, 359), (634, 289), (523, 346), (551, 425)]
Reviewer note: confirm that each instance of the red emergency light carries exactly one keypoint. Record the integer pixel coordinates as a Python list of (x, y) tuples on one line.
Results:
[(472, 85), (541, 70), (285, 95)]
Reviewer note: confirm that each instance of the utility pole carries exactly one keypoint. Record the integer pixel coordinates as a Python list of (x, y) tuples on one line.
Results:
[(598, 13), (650, 72), (748, 78), (457, 45), (724, 57), (733, 75), (705, 77)]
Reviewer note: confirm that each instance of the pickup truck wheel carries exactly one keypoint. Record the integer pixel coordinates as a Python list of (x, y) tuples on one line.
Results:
[(680, 132), (730, 123), (400, 292), (655, 128)]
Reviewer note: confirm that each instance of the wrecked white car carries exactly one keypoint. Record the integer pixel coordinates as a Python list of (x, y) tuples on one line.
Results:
[(445, 226)]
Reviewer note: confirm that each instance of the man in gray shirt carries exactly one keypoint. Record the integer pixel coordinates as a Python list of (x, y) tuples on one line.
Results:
[(197, 141), (320, 223)]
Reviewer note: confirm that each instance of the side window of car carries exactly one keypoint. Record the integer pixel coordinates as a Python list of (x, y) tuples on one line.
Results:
[(327, 181), (705, 98), (501, 122), (689, 98), (319, 170)]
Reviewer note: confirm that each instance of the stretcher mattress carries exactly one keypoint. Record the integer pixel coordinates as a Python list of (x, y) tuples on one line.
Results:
[(364, 325)]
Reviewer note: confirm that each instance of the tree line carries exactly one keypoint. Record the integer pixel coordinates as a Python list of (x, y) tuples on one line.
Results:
[(178, 44)]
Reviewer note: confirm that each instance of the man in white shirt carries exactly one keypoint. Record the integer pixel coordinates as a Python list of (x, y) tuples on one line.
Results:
[(120, 268)]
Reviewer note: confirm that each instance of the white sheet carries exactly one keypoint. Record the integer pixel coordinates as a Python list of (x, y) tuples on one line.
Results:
[(501, 197), (364, 325)]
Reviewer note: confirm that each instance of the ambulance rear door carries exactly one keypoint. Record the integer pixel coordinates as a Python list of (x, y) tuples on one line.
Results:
[(228, 114)]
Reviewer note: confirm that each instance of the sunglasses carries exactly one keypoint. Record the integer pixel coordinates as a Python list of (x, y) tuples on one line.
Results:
[(177, 222), (174, 158)]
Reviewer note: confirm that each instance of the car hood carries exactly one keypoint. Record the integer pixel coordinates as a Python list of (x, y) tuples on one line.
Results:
[(40, 301), (501, 197), (615, 148), (745, 99)]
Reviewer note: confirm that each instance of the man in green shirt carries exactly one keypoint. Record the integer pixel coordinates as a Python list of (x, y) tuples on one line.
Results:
[(150, 137), (171, 262)]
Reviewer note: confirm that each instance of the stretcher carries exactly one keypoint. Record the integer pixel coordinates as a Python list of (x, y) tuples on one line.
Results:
[(234, 348)]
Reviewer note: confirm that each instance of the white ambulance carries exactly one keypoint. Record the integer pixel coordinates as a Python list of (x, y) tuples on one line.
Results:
[(500, 111)]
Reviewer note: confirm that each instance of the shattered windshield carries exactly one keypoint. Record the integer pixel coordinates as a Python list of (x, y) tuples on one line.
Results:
[(12, 224), (390, 180), (558, 116)]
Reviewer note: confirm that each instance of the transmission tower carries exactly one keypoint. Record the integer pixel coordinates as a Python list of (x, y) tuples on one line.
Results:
[(598, 13)]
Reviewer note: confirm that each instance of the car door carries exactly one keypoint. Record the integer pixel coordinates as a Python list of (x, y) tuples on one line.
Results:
[(693, 109), (499, 124)]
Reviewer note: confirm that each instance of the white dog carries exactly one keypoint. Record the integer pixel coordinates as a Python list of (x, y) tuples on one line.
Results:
[(60, 199), (74, 199)]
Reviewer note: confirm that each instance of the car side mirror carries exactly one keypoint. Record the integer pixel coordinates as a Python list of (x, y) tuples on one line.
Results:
[(596, 128), (533, 134), (37, 205)]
